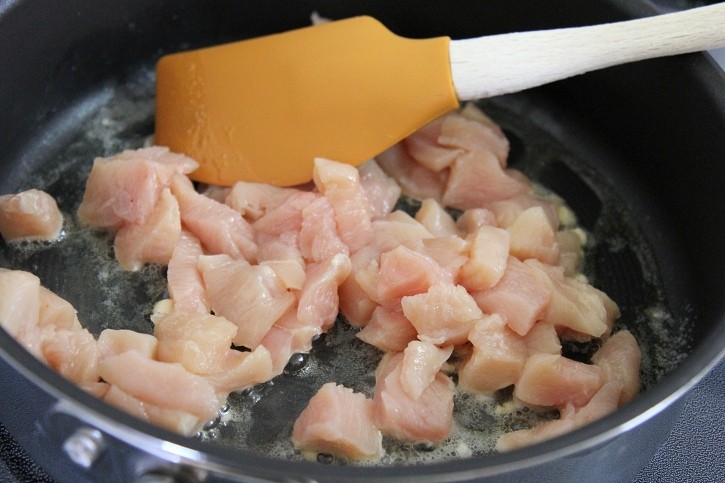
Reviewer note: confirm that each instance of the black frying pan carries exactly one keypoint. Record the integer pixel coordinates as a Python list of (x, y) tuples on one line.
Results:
[(635, 150)]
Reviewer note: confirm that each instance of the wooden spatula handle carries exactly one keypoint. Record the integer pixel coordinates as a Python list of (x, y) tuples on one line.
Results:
[(489, 66)]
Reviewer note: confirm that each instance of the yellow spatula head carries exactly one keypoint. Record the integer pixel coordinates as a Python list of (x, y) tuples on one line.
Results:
[(262, 109)]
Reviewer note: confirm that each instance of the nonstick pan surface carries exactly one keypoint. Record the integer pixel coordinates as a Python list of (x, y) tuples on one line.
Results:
[(633, 152)]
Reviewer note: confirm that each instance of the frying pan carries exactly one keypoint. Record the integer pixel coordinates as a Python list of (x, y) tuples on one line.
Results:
[(635, 150)]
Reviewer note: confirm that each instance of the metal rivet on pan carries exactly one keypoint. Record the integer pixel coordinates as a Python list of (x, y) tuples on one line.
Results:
[(84, 446)]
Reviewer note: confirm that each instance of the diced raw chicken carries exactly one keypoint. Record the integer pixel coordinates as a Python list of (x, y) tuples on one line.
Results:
[(112, 342), (181, 422), (477, 178), (520, 297), (554, 380), (421, 363), (340, 183), (381, 190), (290, 273), (542, 338), (471, 220), (405, 272), (532, 236), (482, 133), (415, 180), (253, 200), (287, 216), (497, 358), (152, 241), (19, 301), (436, 219), (507, 210), (282, 342), (216, 193), (278, 247), (488, 255), (423, 146), (318, 304), (339, 422), (443, 315), (396, 228), (571, 253), (220, 229), (185, 283), (318, 238), (574, 304), (601, 404), (241, 370), (250, 296), (355, 303), (620, 359), (388, 330), (163, 384), (427, 418), (450, 252), (199, 342), (73, 353), (56, 311), (30, 215), (124, 188)]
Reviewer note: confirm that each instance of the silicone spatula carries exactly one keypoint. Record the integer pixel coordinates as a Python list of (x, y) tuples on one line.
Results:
[(262, 109)]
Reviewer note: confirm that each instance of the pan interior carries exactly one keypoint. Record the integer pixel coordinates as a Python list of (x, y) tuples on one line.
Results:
[(552, 146)]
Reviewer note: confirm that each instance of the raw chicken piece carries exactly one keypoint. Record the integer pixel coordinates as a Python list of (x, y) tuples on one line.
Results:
[(620, 359), (253, 200), (286, 217), (152, 241), (56, 311), (575, 305), (542, 338), (199, 342), (471, 220), (488, 133), (532, 236), (318, 238), (388, 330), (241, 370), (571, 253), (112, 342), (250, 296), (355, 303), (19, 301), (290, 273), (278, 247), (181, 422), (163, 384), (396, 228), (427, 418), (520, 297), (73, 353), (339, 422), (185, 283), (421, 364), (124, 188), (450, 252), (436, 219), (340, 183), (282, 342), (415, 180), (477, 178), (487, 258), (601, 404), (497, 358), (443, 315), (405, 272), (318, 304), (507, 210), (423, 146), (220, 229), (30, 215), (553, 380), (381, 190)]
